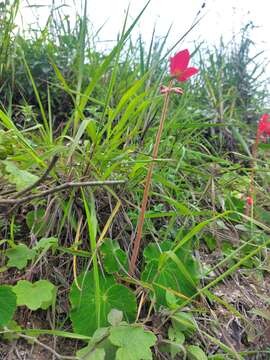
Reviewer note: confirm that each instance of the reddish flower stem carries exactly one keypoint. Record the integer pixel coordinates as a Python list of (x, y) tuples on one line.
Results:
[(138, 237), (251, 192)]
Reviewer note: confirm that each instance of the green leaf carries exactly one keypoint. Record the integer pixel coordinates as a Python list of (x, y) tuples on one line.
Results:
[(112, 296), (184, 322), (166, 280), (39, 294), (46, 243), (171, 273), (177, 339), (97, 342), (92, 130), (19, 256), (114, 258), (195, 353), (134, 342), (7, 304), (115, 317), (21, 178), (14, 330), (88, 353), (153, 251)]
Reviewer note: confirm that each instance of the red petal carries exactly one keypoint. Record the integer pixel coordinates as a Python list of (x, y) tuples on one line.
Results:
[(187, 74), (264, 118), (264, 124), (179, 62)]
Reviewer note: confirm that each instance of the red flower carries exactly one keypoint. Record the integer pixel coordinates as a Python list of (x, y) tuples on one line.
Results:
[(249, 200), (264, 126), (179, 66)]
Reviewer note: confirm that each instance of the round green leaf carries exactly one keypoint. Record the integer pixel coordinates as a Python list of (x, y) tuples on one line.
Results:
[(35, 295), (115, 317), (19, 256), (84, 313), (7, 304)]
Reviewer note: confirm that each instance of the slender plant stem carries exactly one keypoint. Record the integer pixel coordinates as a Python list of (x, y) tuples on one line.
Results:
[(252, 174), (138, 237)]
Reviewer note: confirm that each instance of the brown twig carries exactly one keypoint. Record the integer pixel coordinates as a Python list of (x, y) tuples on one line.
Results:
[(36, 183), (36, 341), (138, 238), (59, 188)]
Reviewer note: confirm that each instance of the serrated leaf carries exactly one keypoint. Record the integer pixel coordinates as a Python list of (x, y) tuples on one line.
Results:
[(115, 317), (19, 255), (21, 178), (39, 294), (134, 342), (195, 353), (7, 304), (112, 296)]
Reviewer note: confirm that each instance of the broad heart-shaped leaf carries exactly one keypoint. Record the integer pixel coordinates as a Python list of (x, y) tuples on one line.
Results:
[(195, 353), (84, 314), (170, 278), (7, 304), (133, 341), (21, 178), (114, 258), (39, 294), (167, 271), (19, 256)]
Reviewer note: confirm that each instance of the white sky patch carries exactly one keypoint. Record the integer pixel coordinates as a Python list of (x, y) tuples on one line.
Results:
[(220, 18)]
